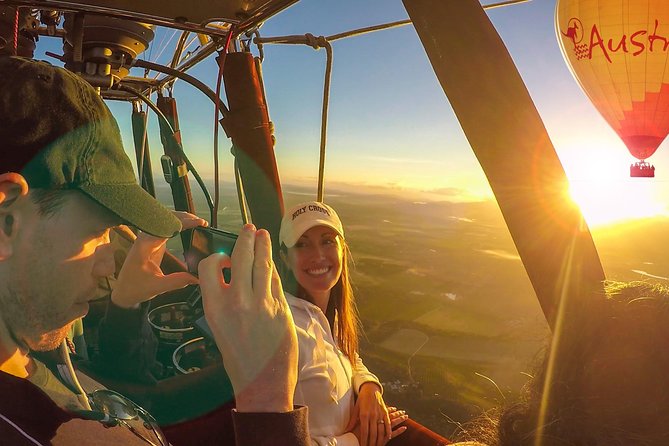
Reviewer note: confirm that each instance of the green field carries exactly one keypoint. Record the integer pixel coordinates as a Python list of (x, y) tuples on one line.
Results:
[(451, 323)]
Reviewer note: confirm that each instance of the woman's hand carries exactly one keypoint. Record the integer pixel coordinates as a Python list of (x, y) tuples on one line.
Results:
[(141, 278), (396, 416), (370, 416)]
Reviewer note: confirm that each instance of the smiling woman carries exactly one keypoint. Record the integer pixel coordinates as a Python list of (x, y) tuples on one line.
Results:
[(343, 397)]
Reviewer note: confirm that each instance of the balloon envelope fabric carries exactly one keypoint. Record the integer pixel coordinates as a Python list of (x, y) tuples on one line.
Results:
[(618, 52)]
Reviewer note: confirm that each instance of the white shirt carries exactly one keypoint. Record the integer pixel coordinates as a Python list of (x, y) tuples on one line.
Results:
[(326, 382)]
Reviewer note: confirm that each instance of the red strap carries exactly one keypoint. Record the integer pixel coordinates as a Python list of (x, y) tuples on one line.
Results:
[(16, 32)]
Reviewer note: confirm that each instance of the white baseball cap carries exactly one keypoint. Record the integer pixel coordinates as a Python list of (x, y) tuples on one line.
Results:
[(304, 216)]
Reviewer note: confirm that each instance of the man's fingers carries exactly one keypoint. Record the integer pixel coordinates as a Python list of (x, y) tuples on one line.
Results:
[(277, 289), (125, 232), (189, 221), (242, 257), (175, 281), (262, 264), (210, 271), (146, 245)]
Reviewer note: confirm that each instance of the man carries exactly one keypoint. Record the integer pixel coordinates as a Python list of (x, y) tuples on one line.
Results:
[(64, 182)]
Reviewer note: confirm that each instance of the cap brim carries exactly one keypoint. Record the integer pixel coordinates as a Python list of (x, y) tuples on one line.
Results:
[(136, 207), (300, 229)]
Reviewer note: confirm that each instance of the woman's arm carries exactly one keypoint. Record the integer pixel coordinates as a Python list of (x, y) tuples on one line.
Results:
[(371, 417), (362, 375)]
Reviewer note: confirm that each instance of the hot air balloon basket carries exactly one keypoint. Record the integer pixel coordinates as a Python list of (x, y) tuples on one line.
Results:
[(642, 170)]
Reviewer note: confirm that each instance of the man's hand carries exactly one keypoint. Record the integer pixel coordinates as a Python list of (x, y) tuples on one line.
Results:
[(252, 323), (141, 278)]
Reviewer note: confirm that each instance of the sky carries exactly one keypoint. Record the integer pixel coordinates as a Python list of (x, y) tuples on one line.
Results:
[(391, 127)]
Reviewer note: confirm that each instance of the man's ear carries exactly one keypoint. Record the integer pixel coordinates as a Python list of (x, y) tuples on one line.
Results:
[(12, 187)]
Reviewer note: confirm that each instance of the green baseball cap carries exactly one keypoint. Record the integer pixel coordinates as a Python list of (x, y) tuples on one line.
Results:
[(58, 133)]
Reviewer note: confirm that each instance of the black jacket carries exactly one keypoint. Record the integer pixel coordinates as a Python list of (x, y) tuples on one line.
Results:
[(28, 417)]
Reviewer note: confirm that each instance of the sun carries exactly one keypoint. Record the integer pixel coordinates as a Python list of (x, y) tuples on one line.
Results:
[(610, 201), (597, 168)]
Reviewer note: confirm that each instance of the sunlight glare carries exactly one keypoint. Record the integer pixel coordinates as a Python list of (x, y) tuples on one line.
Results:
[(599, 183), (612, 200)]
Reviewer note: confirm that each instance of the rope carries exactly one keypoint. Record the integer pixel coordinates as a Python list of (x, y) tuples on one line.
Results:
[(369, 29), (185, 77), (324, 120), (220, 60), (189, 52), (324, 42), (162, 50), (506, 3), (74, 380), (166, 123), (316, 43), (221, 64), (144, 141), (261, 51), (240, 190), (140, 165), (16, 32), (178, 51)]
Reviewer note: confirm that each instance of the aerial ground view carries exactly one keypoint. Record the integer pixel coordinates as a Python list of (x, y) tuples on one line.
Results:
[(451, 323), (452, 137)]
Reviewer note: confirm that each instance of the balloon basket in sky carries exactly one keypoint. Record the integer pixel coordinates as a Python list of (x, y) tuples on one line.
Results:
[(618, 51), (642, 170)]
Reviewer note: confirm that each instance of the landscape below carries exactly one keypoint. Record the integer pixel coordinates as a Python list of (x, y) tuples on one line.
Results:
[(451, 324)]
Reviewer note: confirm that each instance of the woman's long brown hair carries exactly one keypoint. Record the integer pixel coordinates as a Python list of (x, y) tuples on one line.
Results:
[(342, 313)]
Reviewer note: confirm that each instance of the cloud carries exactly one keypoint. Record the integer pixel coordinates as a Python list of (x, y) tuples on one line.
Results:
[(393, 160), (500, 254), (463, 219), (307, 186)]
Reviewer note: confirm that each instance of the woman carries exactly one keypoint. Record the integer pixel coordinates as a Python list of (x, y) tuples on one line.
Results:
[(331, 373)]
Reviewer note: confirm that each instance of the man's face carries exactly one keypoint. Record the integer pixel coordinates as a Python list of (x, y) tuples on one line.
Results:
[(54, 269)]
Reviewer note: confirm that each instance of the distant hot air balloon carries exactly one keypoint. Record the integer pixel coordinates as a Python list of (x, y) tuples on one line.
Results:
[(618, 50)]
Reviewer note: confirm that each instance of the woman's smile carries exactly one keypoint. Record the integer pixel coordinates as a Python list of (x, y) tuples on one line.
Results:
[(319, 271)]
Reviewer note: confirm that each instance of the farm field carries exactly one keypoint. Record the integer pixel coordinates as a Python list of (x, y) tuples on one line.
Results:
[(451, 323)]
